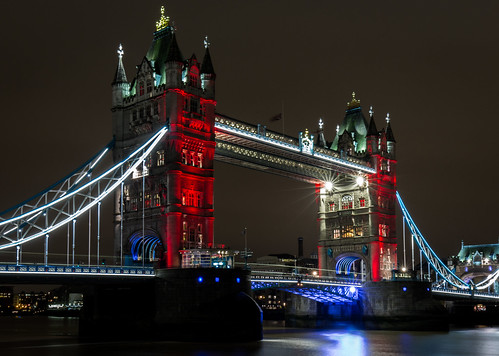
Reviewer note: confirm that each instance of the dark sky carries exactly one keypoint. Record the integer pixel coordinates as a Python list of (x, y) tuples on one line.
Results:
[(432, 65)]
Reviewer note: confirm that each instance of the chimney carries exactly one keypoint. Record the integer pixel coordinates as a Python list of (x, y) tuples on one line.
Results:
[(300, 247)]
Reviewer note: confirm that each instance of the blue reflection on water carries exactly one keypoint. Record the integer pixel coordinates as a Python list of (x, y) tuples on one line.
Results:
[(346, 343), (42, 336)]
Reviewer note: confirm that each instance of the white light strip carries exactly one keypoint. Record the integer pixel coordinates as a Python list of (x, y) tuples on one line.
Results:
[(81, 273), (155, 139), (256, 137), (292, 147), (152, 142)]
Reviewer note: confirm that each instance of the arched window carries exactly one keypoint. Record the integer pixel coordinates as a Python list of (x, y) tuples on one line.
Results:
[(194, 77), (200, 160), (346, 202), (193, 159), (141, 88)]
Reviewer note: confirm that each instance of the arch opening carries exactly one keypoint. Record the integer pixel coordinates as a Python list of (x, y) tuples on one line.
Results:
[(351, 267), (146, 248)]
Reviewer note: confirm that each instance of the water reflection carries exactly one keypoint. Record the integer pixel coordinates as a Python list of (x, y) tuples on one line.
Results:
[(58, 336)]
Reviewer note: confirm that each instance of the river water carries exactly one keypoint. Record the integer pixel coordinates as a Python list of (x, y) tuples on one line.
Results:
[(22, 336)]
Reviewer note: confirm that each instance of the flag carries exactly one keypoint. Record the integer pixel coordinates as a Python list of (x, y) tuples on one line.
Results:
[(276, 117)]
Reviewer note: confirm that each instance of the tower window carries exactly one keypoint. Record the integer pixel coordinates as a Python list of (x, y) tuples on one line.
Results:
[(149, 86), (331, 206), (160, 158), (336, 233), (384, 230), (194, 105), (156, 200), (141, 88), (347, 231), (200, 160), (362, 202), (184, 156), (193, 160), (346, 202)]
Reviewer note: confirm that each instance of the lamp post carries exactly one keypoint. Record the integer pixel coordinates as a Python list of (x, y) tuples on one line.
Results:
[(245, 248)]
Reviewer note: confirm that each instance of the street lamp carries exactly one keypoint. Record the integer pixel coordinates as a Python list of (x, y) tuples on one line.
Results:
[(245, 248)]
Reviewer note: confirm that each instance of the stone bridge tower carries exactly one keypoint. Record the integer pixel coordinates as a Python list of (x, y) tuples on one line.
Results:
[(168, 205), (357, 213)]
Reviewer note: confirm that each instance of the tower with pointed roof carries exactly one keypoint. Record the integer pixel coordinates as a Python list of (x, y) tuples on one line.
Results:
[(357, 213), (173, 194)]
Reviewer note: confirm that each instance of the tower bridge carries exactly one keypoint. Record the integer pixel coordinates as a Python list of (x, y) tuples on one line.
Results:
[(166, 137)]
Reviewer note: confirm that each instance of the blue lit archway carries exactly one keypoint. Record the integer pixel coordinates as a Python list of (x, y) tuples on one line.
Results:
[(350, 266), (148, 244)]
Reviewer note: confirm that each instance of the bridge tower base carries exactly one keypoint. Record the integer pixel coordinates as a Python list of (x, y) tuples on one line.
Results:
[(307, 313), (402, 305), (179, 304)]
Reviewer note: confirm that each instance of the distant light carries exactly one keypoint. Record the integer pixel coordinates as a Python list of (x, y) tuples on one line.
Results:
[(360, 181), (352, 289), (217, 279), (404, 269), (200, 279), (238, 280), (404, 289), (328, 186)]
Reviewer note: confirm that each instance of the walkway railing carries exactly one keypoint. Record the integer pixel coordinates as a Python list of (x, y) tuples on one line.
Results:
[(78, 270)]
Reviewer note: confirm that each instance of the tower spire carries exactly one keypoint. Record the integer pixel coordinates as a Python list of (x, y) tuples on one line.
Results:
[(120, 75), (388, 130), (372, 130), (207, 66)]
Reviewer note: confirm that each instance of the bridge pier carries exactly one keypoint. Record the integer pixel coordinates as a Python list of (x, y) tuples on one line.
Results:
[(179, 304), (402, 305), (307, 313)]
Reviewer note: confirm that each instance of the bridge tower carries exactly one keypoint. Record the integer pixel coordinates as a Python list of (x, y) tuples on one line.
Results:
[(168, 205), (357, 216)]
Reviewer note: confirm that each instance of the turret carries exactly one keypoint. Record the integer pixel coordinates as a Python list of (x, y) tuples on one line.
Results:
[(207, 72), (120, 86), (372, 135), (174, 63), (390, 139), (321, 140)]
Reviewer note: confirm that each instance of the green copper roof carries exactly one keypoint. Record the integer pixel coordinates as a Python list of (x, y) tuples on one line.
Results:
[(488, 251), (159, 49), (355, 122)]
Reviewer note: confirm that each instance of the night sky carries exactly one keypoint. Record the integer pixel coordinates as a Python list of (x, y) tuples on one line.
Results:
[(434, 66)]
